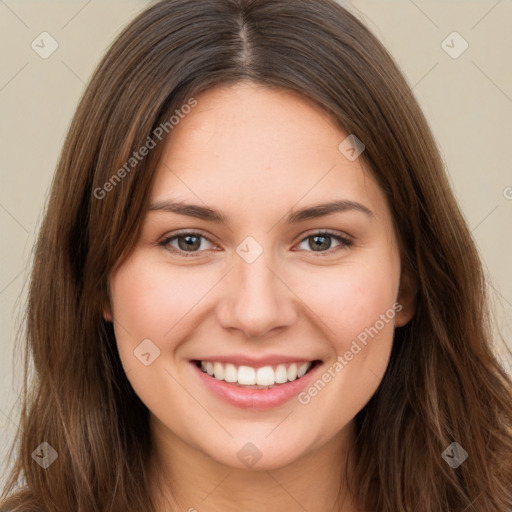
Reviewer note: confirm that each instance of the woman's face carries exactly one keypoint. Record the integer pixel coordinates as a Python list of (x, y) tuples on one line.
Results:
[(263, 293)]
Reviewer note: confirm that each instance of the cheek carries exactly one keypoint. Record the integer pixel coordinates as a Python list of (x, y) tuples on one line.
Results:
[(150, 299), (352, 298), (357, 307), (151, 302)]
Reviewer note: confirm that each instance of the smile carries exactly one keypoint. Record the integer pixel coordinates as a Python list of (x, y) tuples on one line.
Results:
[(256, 385), (256, 378)]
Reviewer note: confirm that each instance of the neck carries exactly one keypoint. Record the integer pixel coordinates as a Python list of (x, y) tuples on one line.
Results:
[(187, 479)]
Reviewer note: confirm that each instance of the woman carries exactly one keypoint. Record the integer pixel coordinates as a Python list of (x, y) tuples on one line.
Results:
[(253, 287)]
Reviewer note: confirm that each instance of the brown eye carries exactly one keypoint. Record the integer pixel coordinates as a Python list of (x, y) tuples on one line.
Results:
[(321, 242), (187, 242)]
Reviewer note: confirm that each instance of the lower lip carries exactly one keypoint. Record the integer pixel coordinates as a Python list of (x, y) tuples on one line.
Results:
[(248, 398)]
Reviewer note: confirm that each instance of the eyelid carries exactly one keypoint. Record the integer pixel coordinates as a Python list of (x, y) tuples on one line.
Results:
[(334, 233)]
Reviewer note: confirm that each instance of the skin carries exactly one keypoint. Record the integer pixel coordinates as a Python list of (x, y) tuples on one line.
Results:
[(256, 154)]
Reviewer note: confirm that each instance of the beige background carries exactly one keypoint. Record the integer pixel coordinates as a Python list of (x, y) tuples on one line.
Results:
[(467, 100)]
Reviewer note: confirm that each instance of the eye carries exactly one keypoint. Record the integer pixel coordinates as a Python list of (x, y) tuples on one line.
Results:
[(321, 241), (189, 242)]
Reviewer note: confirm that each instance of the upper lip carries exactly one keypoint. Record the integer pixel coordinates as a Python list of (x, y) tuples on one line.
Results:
[(256, 362)]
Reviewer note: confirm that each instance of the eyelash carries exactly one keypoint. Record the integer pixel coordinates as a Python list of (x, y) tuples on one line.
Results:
[(345, 242)]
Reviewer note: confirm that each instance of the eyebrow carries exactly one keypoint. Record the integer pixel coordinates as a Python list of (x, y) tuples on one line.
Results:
[(310, 212)]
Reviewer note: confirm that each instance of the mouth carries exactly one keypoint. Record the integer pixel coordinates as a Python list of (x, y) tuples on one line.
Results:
[(263, 377), (255, 387)]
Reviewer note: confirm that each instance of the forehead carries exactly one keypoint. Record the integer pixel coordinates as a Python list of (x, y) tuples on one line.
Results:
[(256, 117), (248, 144)]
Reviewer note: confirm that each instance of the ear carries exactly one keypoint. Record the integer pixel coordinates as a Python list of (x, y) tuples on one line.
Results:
[(406, 298), (107, 313), (107, 309)]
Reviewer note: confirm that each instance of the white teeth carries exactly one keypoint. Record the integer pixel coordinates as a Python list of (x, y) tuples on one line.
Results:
[(218, 371), (248, 376), (230, 374), (302, 369), (265, 376), (281, 374), (292, 372)]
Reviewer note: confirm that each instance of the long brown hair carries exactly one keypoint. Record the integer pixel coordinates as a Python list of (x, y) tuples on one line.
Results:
[(443, 383)]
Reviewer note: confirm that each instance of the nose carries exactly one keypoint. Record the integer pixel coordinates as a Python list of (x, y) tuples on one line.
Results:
[(256, 299)]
